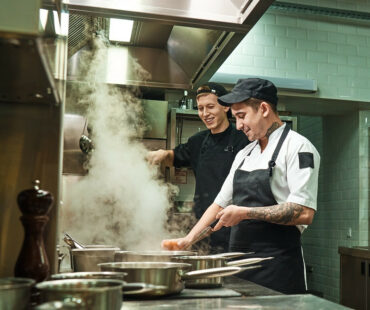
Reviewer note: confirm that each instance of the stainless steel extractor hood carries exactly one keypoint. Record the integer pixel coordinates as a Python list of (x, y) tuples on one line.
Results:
[(180, 43)]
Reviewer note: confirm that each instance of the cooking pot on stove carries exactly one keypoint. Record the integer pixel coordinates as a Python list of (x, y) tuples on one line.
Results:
[(170, 276), (213, 261), (110, 275), (15, 293), (88, 258), (89, 294), (149, 256)]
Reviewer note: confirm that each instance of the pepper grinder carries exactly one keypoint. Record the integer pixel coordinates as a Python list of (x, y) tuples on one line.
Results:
[(32, 261)]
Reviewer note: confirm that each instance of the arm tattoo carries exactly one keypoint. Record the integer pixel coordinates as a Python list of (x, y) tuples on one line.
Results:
[(285, 213), (273, 127)]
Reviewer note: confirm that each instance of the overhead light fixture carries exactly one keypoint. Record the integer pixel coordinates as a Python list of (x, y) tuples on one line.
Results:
[(60, 26), (43, 18), (120, 30)]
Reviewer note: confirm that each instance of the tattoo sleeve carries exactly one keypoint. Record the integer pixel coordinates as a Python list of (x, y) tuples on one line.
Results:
[(285, 213), (273, 127)]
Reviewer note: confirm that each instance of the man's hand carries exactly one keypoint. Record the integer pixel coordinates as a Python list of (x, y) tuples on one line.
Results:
[(161, 156), (175, 244), (156, 157), (230, 216)]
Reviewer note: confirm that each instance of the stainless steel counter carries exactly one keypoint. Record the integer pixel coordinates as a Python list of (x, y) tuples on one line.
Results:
[(254, 297), (277, 302), (247, 288)]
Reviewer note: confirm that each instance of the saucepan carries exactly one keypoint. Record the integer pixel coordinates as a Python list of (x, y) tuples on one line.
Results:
[(214, 261), (15, 293), (169, 275), (127, 289), (91, 294), (88, 258)]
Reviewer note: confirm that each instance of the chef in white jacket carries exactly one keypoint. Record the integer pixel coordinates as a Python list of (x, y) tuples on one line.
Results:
[(270, 194)]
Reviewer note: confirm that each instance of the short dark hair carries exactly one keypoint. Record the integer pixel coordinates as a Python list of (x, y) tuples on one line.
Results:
[(255, 103)]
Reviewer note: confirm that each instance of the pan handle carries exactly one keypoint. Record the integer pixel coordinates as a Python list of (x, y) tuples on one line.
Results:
[(247, 261), (214, 272), (141, 288), (203, 234), (231, 254)]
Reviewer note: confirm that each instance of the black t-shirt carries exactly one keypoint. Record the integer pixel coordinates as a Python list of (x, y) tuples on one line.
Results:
[(188, 155)]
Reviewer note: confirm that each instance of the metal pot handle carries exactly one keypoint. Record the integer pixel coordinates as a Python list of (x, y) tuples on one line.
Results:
[(140, 288), (247, 261), (67, 303), (212, 273), (231, 254)]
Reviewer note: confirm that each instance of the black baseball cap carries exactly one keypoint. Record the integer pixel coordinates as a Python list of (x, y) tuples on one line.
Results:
[(212, 88), (245, 89)]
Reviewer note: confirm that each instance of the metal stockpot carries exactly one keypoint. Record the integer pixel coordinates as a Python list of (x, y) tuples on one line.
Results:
[(170, 276), (149, 256), (213, 261), (15, 293), (84, 294), (88, 258)]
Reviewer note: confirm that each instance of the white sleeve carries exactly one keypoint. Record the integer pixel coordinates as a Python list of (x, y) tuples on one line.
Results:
[(302, 174), (225, 196)]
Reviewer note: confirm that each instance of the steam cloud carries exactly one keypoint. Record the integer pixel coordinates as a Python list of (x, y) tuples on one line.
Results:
[(121, 201)]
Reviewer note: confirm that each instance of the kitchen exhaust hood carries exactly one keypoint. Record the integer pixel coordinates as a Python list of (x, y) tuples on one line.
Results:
[(286, 84), (180, 43)]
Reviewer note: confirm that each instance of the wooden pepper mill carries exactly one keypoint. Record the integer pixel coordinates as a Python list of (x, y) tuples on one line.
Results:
[(32, 261)]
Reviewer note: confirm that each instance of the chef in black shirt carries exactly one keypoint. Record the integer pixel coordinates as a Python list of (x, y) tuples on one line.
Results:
[(209, 153)]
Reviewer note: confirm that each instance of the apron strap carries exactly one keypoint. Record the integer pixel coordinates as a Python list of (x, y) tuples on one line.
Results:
[(272, 162), (250, 152)]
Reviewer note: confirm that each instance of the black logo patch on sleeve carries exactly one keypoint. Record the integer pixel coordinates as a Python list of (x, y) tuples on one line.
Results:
[(305, 160)]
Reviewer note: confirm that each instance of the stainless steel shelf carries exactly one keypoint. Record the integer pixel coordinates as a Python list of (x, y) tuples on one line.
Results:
[(30, 72)]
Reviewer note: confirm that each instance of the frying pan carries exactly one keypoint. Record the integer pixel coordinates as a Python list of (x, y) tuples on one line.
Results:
[(171, 276)]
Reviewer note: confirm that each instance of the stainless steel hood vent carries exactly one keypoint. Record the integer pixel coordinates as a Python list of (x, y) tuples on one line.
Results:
[(180, 43), (80, 30)]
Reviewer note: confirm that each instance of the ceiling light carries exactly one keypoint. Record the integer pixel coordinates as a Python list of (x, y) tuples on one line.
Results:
[(43, 18), (120, 29), (61, 28)]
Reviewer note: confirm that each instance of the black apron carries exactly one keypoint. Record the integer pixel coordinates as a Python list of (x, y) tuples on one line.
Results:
[(213, 166), (284, 273)]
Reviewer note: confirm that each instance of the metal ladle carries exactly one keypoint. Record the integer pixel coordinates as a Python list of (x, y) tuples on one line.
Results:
[(72, 242), (203, 234)]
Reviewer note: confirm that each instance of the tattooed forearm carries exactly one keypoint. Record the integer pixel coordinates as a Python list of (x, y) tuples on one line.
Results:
[(286, 213), (273, 127)]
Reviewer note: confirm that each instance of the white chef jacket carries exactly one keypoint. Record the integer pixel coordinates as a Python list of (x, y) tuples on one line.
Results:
[(289, 181)]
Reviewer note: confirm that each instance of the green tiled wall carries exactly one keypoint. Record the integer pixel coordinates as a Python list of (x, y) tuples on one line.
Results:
[(281, 45), (364, 175), (337, 139), (353, 5)]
